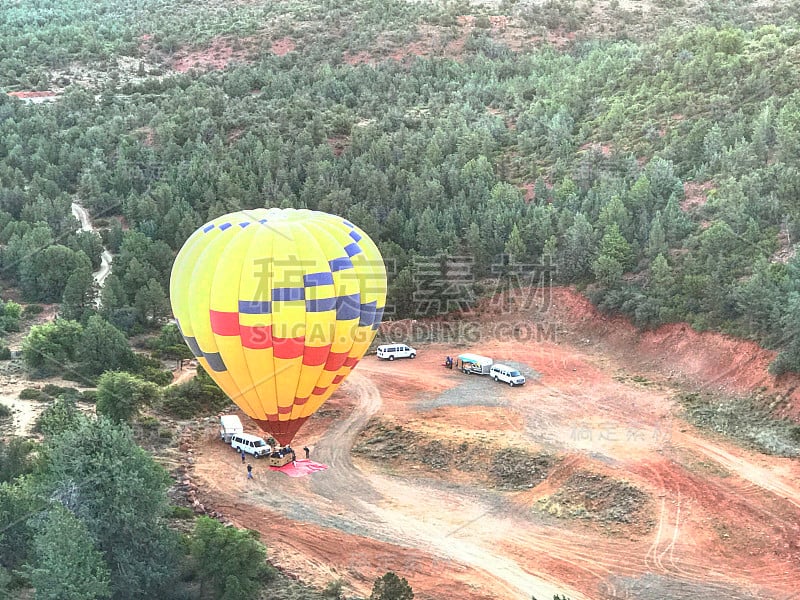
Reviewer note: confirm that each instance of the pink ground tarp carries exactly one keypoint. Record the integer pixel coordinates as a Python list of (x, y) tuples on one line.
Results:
[(301, 468)]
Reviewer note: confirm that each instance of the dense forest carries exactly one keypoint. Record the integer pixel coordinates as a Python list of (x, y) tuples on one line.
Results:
[(428, 154), (654, 164)]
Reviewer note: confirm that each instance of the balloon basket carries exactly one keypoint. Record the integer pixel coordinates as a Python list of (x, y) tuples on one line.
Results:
[(279, 461)]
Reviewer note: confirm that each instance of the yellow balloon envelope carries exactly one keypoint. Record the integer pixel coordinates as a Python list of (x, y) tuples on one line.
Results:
[(278, 306)]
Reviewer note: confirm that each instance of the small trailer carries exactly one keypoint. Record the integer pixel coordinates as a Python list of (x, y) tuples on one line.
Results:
[(229, 425), (474, 364)]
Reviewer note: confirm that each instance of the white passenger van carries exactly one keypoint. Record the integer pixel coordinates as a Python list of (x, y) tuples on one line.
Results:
[(506, 374), (252, 444), (392, 351)]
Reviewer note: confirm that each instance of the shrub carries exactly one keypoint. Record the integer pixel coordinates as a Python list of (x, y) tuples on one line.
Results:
[(230, 560), (196, 397), (141, 362), (5, 411), (483, 22), (88, 396), (79, 378), (31, 310), (56, 390), (787, 361), (51, 347), (181, 512), (120, 395), (34, 394), (391, 587), (148, 422), (333, 590), (60, 416), (5, 353), (157, 376)]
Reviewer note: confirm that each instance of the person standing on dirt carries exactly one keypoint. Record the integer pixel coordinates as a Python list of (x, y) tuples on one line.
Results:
[(249, 471), (294, 458), (307, 451), (243, 456)]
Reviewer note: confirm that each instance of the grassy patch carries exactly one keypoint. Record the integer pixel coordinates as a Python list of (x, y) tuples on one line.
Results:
[(596, 497), (746, 420), (500, 468), (34, 394)]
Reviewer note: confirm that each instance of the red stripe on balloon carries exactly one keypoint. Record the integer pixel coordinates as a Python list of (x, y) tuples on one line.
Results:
[(338, 379), (289, 347), (284, 410), (256, 338), (314, 356), (271, 418), (318, 391), (351, 362), (335, 361), (224, 323), (300, 401)]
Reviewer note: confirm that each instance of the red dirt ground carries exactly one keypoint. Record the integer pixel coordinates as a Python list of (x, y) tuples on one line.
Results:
[(283, 46), (149, 135), (439, 41), (712, 361), (530, 192), (604, 149), (719, 521), (216, 56), (42, 94), (695, 194), (357, 58), (338, 143)]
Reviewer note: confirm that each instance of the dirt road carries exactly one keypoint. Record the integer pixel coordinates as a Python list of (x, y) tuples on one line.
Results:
[(100, 275)]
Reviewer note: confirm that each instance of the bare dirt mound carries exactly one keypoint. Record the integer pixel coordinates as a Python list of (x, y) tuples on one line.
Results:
[(487, 465), (586, 495), (708, 360)]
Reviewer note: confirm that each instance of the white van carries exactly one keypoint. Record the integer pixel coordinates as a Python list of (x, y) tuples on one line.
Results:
[(506, 374), (392, 351), (252, 444)]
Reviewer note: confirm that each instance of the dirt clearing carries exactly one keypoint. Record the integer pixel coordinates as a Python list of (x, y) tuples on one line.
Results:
[(585, 482)]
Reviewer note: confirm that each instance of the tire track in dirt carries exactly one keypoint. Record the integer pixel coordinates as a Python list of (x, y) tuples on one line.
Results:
[(661, 554), (757, 481), (430, 534), (764, 478), (669, 554), (383, 509), (344, 485), (342, 480)]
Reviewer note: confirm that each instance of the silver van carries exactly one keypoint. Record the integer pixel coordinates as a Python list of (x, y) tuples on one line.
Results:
[(251, 444), (506, 374)]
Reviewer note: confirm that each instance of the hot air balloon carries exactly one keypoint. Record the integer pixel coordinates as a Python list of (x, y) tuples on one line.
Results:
[(278, 306)]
